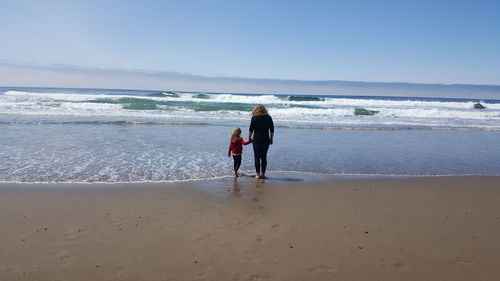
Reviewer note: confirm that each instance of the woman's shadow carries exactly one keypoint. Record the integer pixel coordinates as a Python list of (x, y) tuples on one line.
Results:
[(280, 179), (260, 184)]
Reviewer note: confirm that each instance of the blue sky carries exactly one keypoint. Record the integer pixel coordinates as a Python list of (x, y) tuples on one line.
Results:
[(386, 41)]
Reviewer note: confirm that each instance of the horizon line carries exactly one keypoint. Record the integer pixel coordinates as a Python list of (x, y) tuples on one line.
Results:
[(56, 66), (77, 76)]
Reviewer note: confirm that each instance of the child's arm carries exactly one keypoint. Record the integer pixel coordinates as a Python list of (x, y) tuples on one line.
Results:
[(246, 142), (229, 149)]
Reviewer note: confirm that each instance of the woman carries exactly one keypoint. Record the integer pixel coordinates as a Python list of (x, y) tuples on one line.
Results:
[(262, 130)]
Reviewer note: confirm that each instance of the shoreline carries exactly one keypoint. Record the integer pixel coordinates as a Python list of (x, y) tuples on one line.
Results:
[(418, 228), (273, 177)]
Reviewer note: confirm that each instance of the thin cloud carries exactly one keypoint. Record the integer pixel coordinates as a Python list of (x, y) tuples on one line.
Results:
[(29, 75)]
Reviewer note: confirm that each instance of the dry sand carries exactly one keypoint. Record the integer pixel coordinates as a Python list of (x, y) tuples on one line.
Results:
[(440, 228)]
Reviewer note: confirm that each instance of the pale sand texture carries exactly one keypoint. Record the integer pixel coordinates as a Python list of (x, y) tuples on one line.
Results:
[(441, 228)]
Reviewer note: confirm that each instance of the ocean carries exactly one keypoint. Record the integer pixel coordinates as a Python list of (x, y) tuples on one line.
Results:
[(96, 135)]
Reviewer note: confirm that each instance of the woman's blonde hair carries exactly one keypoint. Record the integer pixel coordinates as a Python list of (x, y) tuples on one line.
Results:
[(236, 134), (259, 110)]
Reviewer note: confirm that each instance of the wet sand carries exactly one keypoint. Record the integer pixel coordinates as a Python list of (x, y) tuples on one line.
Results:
[(427, 228)]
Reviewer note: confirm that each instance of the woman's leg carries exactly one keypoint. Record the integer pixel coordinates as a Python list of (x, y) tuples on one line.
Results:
[(256, 156), (263, 157)]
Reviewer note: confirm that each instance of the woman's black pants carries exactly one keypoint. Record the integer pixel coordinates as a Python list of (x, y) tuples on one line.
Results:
[(260, 155)]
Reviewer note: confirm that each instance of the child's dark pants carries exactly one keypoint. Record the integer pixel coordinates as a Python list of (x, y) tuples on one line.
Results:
[(237, 162)]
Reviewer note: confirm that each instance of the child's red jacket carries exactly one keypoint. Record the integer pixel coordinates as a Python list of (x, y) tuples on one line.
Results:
[(236, 146)]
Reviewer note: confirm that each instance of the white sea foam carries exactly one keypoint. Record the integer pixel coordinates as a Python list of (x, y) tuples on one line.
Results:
[(131, 138), (20, 96), (328, 110)]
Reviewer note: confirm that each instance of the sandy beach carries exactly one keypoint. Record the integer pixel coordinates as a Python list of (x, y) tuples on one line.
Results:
[(249, 141), (423, 228)]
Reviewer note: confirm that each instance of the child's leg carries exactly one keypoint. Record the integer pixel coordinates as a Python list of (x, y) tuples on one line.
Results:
[(237, 162)]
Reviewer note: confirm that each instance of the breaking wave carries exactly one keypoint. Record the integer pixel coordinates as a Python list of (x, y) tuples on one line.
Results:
[(293, 109)]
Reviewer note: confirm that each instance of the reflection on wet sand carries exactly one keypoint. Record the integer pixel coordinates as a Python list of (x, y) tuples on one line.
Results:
[(252, 191)]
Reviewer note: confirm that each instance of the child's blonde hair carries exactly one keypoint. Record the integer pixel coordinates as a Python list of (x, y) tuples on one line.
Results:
[(236, 134)]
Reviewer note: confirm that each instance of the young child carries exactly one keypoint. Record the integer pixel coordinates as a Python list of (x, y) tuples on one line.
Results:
[(236, 147)]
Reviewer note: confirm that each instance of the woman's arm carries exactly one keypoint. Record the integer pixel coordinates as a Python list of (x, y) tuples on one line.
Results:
[(271, 130), (251, 129)]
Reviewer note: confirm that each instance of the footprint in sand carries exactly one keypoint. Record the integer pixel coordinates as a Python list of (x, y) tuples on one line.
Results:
[(259, 238), (62, 257), (74, 235), (399, 265), (255, 277), (396, 265), (460, 261), (321, 269), (252, 277), (8, 270)]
